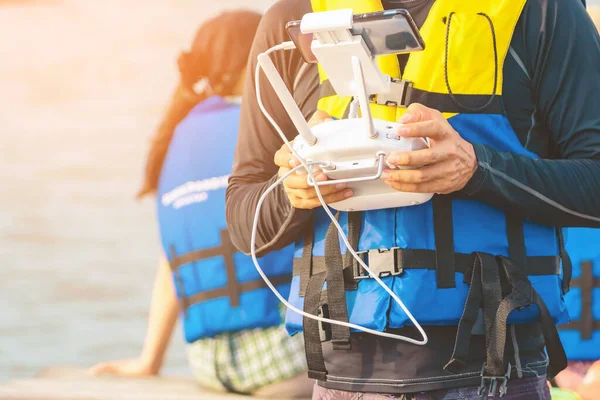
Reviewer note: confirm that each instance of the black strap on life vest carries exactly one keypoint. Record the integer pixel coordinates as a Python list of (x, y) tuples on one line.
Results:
[(233, 289), (303, 266), (354, 226), (336, 293), (486, 285), (407, 259), (337, 271), (586, 284), (523, 295), (477, 280), (567, 265), (442, 102), (312, 337), (444, 241)]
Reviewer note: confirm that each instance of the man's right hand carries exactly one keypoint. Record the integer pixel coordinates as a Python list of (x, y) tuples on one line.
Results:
[(299, 192)]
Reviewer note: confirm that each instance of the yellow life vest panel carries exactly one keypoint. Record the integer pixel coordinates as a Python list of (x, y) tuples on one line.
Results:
[(466, 42)]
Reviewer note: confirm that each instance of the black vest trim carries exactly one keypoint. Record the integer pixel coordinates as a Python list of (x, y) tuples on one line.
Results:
[(440, 101)]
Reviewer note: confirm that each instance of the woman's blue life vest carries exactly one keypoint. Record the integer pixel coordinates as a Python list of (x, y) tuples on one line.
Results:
[(447, 257), (581, 337), (218, 287)]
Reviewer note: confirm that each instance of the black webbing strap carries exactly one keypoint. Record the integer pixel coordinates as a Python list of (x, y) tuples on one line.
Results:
[(492, 294), (303, 266), (586, 284), (233, 286), (444, 241), (406, 259), (178, 281), (469, 316), (440, 101), (243, 286), (516, 241), (484, 286), (443, 102), (567, 265), (336, 292), (312, 337), (522, 295), (226, 250), (354, 226)]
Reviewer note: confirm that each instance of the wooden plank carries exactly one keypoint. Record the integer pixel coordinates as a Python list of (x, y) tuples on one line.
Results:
[(76, 384)]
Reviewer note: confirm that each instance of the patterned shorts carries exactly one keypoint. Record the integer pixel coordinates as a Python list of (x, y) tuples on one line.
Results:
[(245, 361)]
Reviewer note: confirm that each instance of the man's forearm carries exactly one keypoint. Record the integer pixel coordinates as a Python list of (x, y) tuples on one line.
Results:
[(279, 223), (559, 190)]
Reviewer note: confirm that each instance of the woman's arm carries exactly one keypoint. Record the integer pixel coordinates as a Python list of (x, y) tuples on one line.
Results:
[(161, 321)]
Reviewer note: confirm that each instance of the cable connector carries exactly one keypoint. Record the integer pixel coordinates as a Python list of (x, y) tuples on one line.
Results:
[(288, 45)]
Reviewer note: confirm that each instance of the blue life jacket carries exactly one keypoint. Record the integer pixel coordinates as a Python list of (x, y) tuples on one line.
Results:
[(581, 337), (448, 256), (219, 287)]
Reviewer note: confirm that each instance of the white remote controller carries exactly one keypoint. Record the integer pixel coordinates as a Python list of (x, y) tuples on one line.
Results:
[(350, 150), (347, 153)]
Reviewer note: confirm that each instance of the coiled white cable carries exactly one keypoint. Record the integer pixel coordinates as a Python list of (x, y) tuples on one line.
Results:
[(306, 166)]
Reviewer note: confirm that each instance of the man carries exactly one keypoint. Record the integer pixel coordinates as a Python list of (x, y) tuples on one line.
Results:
[(544, 136)]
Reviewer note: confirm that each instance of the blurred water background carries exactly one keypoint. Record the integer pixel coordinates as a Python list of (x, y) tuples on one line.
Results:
[(82, 87)]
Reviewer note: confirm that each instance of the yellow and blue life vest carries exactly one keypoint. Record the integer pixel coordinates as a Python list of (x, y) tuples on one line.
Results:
[(218, 287), (581, 337), (445, 257)]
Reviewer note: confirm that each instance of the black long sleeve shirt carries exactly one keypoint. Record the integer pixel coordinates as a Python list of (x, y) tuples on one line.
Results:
[(550, 90)]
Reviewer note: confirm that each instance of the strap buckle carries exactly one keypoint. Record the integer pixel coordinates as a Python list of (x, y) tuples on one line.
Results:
[(493, 383), (324, 327), (397, 96), (382, 262)]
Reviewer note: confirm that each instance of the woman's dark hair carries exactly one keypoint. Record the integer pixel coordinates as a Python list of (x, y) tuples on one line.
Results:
[(218, 55)]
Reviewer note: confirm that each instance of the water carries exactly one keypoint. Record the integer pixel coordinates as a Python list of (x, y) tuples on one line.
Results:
[(82, 86)]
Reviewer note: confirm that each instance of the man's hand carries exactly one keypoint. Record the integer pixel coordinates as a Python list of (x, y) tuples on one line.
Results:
[(299, 192), (445, 167)]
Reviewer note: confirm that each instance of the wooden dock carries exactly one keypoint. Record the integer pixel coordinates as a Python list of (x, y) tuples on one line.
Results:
[(76, 384)]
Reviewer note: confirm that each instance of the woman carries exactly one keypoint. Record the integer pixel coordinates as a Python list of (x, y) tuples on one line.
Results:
[(232, 322)]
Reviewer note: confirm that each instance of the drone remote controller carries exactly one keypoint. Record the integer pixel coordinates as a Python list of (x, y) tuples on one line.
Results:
[(348, 154), (353, 150)]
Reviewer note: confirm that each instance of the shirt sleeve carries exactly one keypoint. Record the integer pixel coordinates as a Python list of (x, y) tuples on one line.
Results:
[(560, 48), (253, 169)]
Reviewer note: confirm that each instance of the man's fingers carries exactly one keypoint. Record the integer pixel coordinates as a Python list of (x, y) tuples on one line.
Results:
[(298, 202), (296, 181), (318, 118), (417, 158), (430, 129), (436, 186), (416, 112), (438, 171), (283, 157), (310, 194)]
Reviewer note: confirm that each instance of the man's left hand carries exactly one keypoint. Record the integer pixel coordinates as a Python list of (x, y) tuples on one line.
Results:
[(445, 167)]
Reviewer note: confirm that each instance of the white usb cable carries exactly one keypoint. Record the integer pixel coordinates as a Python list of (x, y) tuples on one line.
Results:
[(306, 166)]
